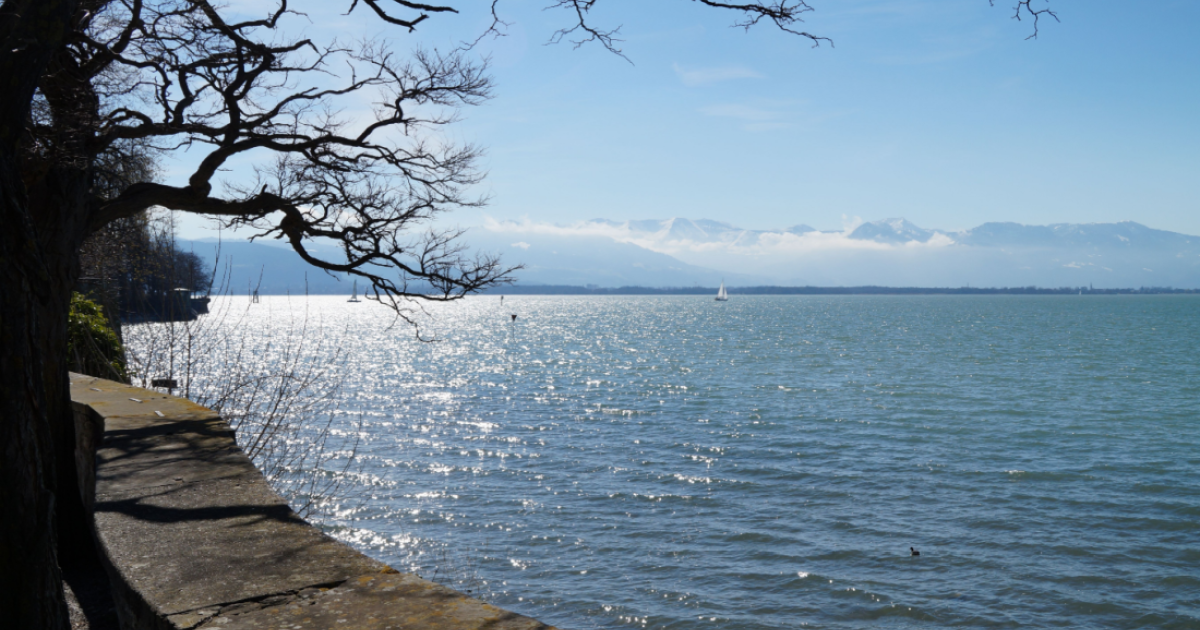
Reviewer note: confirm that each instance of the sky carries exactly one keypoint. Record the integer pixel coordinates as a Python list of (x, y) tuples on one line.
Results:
[(938, 111)]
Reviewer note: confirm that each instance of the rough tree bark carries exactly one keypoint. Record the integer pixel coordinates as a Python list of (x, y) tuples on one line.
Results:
[(58, 182), (32, 391)]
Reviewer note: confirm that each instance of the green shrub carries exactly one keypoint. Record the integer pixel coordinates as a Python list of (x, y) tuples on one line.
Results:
[(93, 348)]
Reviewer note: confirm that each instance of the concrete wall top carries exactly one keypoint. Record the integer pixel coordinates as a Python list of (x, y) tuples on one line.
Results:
[(195, 538)]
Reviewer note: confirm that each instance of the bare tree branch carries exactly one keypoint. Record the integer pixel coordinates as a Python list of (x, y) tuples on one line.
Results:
[(495, 29), (1026, 6), (410, 24), (588, 33), (783, 13)]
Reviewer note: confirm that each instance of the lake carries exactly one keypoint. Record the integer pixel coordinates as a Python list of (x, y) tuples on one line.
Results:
[(767, 462)]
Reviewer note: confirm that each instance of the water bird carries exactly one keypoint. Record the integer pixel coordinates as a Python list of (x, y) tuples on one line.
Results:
[(914, 551)]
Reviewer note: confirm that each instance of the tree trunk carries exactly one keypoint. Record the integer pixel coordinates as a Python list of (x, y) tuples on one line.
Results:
[(31, 593), (58, 207), (32, 396)]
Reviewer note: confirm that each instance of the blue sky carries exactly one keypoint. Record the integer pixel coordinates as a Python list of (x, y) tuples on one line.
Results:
[(939, 111)]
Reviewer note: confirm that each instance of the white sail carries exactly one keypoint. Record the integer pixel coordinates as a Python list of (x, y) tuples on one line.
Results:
[(722, 296), (354, 293)]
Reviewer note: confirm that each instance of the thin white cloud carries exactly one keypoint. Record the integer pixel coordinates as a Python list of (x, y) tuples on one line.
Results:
[(937, 240), (695, 77), (735, 242), (521, 245)]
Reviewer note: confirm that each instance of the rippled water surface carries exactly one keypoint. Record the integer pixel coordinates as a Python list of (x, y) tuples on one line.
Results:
[(672, 462)]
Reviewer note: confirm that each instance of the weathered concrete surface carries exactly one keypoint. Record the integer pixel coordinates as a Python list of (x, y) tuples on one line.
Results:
[(195, 538), (372, 602)]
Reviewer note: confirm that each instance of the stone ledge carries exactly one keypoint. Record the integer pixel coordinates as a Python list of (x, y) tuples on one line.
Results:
[(194, 537)]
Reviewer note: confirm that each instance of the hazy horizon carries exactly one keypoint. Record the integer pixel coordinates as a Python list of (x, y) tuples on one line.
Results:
[(682, 252)]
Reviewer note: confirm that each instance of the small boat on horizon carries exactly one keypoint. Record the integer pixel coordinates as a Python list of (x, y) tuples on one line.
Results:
[(354, 293), (722, 296)]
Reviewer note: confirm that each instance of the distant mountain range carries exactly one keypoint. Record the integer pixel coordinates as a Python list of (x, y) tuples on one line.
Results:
[(680, 252), (895, 252), (271, 267), (1125, 235), (900, 232)]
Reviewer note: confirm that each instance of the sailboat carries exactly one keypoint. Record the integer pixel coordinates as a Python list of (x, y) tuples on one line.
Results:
[(354, 293), (722, 296)]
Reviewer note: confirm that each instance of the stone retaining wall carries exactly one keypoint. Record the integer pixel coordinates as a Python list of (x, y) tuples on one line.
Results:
[(193, 537)]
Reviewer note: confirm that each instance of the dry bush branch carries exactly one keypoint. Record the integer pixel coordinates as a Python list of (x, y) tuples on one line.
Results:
[(277, 385)]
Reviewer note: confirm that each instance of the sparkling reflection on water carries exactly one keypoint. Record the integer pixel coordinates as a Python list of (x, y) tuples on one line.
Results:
[(671, 462)]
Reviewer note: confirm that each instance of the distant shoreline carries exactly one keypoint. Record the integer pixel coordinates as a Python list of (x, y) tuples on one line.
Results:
[(777, 290), (809, 290)]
